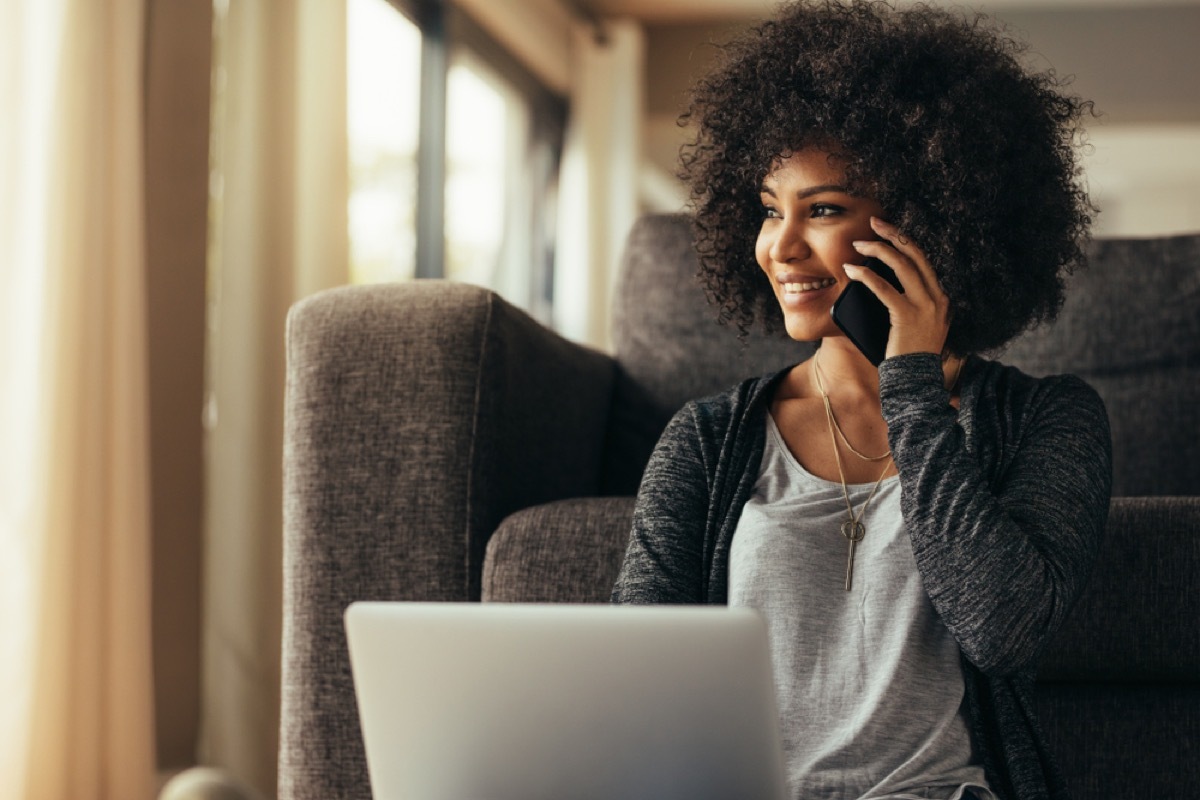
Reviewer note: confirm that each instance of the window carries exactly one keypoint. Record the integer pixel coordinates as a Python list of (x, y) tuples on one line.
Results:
[(483, 120), (492, 134), (384, 67)]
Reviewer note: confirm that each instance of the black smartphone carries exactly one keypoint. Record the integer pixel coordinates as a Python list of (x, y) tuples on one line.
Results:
[(863, 317)]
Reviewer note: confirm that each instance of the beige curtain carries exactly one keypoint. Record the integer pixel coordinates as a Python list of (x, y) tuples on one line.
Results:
[(278, 232), (76, 716)]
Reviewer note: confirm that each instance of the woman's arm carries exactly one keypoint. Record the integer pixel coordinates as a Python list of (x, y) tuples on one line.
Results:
[(664, 562), (1002, 564)]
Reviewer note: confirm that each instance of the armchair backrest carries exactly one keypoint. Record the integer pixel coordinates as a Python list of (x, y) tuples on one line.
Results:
[(1130, 327)]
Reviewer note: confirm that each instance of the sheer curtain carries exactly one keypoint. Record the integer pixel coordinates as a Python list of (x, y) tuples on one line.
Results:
[(76, 718), (278, 232)]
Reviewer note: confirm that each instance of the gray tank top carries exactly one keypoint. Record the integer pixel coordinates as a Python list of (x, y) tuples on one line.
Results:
[(869, 682)]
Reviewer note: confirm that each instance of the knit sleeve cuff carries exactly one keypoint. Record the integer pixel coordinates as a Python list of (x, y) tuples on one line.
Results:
[(910, 384)]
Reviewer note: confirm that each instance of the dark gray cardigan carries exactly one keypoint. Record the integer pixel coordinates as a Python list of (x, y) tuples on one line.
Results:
[(1005, 501)]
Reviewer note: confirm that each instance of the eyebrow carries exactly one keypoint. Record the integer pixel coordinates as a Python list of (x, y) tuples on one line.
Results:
[(810, 191)]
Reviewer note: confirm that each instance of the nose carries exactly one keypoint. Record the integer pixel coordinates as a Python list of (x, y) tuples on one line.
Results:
[(789, 244)]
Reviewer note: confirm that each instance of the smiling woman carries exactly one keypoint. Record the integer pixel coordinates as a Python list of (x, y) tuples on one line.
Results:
[(914, 523)]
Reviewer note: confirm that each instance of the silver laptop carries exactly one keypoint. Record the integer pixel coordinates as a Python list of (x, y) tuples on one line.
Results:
[(466, 701)]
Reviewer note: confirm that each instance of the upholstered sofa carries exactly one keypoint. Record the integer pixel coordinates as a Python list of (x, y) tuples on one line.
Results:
[(441, 445)]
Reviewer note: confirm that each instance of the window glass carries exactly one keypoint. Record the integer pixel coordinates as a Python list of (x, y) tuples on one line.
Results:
[(486, 130), (383, 95)]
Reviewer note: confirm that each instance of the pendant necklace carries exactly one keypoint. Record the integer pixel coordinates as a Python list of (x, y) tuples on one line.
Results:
[(852, 529)]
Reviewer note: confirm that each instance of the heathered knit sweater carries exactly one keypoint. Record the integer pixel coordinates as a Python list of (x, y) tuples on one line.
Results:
[(1004, 500)]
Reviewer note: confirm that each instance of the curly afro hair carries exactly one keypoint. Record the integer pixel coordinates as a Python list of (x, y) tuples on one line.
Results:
[(971, 156)]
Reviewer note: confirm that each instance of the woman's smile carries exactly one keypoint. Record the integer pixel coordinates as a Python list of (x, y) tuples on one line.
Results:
[(801, 290)]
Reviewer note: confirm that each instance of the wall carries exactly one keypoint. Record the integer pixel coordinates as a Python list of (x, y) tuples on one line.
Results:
[(1140, 68)]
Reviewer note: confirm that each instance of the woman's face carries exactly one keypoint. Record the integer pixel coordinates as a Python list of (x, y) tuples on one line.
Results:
[(810, 221)]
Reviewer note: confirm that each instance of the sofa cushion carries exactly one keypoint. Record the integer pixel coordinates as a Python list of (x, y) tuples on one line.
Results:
[(418, 416), (1137, 618), (1117, 740), (1124, 668), (564, 552)]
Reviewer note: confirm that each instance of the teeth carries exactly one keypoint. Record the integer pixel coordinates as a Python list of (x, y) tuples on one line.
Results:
[(793, 288)]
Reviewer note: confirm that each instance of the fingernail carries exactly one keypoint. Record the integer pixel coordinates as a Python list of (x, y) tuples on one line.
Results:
[(876, 222), (852, 269), (859, 245)]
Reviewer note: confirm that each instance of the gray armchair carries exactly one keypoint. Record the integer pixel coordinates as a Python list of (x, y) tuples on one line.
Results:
[(441, 445)]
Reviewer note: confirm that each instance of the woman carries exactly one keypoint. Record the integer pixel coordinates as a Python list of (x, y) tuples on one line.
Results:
[(913, 533)]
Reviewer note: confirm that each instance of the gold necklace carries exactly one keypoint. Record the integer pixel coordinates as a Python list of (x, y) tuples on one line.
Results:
[(852, 529), (833, 419), (817, 373)]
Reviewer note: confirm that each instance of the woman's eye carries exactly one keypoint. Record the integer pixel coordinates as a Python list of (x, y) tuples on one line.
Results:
[(769, 212), (826, 210)]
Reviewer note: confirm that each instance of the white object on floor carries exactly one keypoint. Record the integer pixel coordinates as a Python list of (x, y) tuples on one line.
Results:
[(205, 783)]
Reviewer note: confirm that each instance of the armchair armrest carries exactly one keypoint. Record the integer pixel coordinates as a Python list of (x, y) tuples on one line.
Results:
[(418, 416)]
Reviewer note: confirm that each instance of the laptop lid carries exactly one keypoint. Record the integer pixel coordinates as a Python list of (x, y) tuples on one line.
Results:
[(467, 701)]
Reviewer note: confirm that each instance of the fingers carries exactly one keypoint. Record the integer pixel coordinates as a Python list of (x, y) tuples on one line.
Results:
[(920, 316), (914, 255), (875, 282)]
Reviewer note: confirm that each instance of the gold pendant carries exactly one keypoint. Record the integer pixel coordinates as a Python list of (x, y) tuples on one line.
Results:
[(854, 531)]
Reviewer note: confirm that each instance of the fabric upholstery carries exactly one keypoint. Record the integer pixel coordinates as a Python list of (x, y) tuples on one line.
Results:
[(418, 416), (564, 552), (1138, 620), (1119, 741), (1130, 327)]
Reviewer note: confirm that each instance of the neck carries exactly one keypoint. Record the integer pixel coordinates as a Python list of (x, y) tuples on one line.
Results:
[(844, 366)]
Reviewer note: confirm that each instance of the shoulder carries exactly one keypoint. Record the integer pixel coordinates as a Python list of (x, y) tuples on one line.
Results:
[(717, 433), (1012, 406), (713, 416), (1007, 389)]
